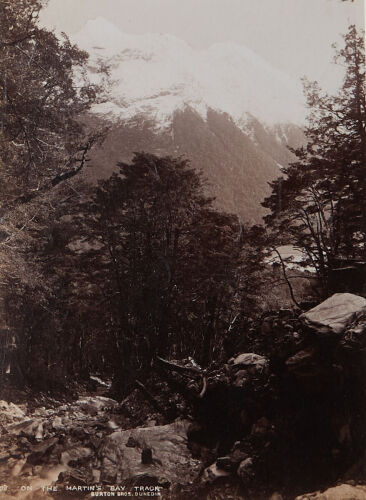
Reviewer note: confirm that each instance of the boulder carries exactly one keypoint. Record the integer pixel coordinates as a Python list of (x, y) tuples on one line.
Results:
[(336, 313), (9, 412), (30, 428), (306, 366), (355, 336), (213, 473), (261, 427), (310, 371), (246, 471), (250, 359), (224, 463), (171, 459), (237, 456), (94, 404), (301, 359), (341, 492), (57, 423), (75, 454), (276, 496), (230, 463), (240, 378)]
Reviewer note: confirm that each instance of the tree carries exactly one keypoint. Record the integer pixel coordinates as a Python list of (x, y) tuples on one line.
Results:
[(319, 206), (44, 92), (166, 270), (43, 88)]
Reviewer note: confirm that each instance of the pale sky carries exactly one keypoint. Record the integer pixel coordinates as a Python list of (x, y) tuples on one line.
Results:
[(294, 35)]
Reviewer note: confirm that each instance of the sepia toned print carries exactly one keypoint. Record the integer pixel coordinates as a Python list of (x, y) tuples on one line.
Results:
[(183, 249)]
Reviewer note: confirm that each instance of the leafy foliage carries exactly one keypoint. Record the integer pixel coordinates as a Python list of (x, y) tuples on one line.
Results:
[(43, 87), (320, 205), (166, 266), (43, 93)]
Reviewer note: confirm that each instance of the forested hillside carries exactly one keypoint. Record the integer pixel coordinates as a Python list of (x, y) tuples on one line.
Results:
[(236, 165)]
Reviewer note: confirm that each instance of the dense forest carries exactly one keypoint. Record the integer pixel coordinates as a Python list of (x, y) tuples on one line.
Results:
[(140, 280)]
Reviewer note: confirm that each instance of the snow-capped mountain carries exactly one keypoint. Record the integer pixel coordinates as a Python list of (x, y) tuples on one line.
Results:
[(157, 74), (224, 108)]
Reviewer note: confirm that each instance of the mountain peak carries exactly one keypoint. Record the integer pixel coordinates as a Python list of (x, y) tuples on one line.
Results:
[(99, 33), (157, 74)]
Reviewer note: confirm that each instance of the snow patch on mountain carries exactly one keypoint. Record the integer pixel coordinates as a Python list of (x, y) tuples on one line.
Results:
[(157, 74)]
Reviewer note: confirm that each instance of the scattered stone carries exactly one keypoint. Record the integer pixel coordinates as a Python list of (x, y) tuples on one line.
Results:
[(237, 394)]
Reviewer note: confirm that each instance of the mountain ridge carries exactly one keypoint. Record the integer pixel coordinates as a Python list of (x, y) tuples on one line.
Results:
[(157, 74), (224, 108)]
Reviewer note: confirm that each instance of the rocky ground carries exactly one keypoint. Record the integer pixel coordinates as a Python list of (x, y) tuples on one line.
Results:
[(284, 415)]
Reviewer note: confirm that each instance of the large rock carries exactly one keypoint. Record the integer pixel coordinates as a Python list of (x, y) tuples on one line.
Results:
[(336, 313), (171, 461), (9, 412), (246, 470), (30, 428), (249, 359), (310, 371), (301, 360), (94, 404), (214, 473), (341, 492)]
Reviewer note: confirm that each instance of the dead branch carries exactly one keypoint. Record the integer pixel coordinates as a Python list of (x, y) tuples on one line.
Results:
[(286, 279), (179, 368), (204, 388)]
